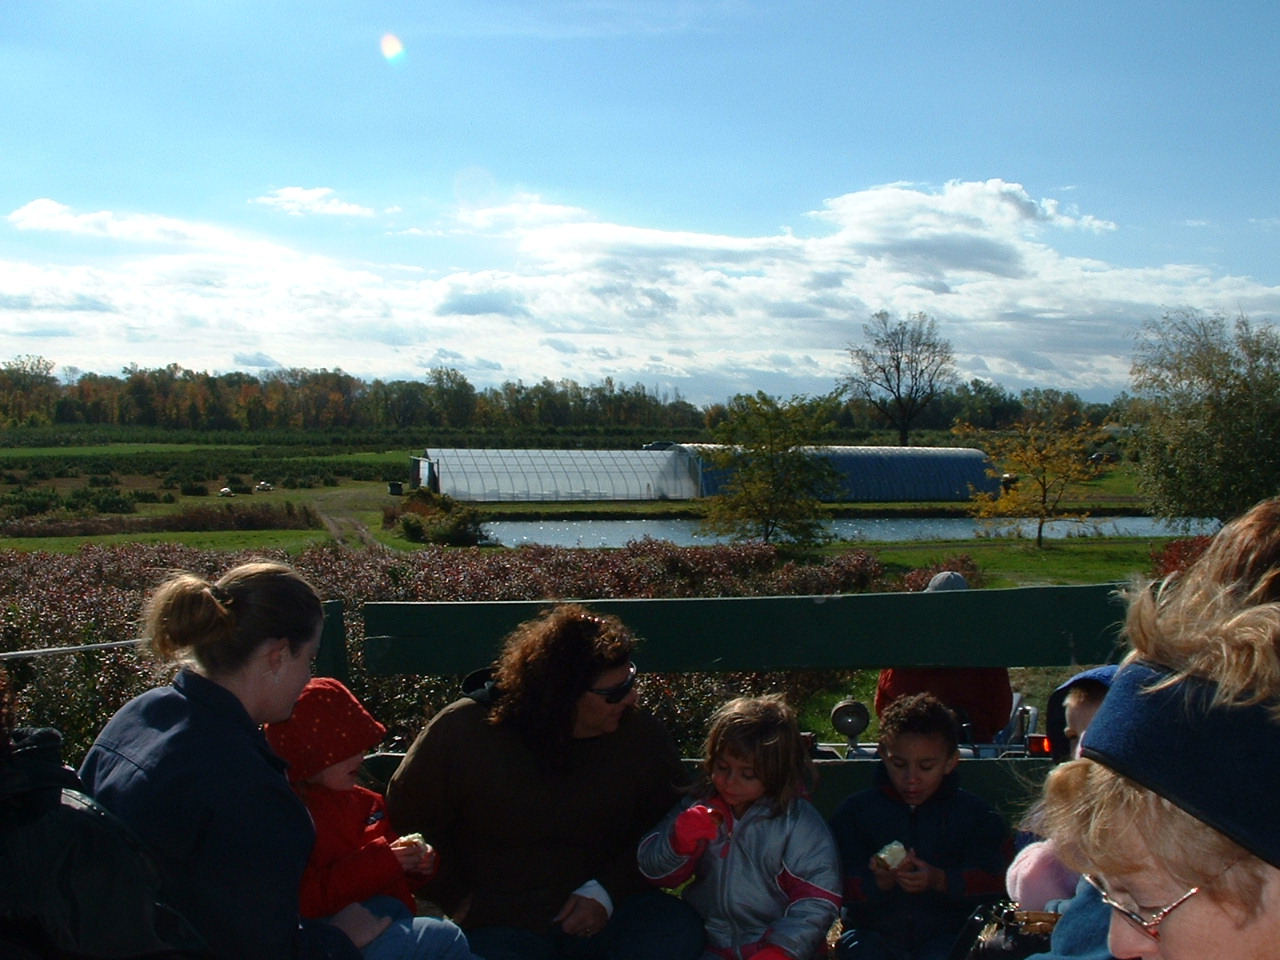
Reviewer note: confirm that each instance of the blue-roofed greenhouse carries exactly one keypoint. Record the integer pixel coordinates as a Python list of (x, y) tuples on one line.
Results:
[(679, 472)]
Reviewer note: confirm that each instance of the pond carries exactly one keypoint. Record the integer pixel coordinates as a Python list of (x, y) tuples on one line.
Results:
[(616, 533)]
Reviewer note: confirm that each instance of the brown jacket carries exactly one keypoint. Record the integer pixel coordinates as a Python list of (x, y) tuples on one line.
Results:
[(518, 839)]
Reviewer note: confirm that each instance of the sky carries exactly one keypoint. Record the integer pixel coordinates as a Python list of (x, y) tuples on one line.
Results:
[(706, 197)]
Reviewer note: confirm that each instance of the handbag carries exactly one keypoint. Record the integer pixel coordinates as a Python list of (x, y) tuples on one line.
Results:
[(1002, 931)]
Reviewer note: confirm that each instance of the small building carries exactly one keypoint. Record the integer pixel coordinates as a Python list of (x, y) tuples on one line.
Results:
[(674, 471)]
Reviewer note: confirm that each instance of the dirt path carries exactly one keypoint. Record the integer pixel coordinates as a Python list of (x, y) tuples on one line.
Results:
[(344, 508), (348, 531)]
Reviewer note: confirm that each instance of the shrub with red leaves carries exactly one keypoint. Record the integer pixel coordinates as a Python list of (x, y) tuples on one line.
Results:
[(97, 594), (1176, 555)]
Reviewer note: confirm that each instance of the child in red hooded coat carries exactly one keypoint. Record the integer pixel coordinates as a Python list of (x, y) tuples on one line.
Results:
[(357, 857)]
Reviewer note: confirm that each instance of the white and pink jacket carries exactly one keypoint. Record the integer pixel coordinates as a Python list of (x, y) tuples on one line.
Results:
[(763, 880)]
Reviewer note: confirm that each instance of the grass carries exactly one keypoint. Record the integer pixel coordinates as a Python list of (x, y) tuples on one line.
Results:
[(90, 450), (1019, 563)]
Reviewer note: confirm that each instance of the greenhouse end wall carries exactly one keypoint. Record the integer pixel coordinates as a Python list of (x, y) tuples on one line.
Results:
[(531, 475)]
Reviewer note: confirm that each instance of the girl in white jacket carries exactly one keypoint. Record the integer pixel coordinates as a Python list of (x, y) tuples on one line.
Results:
[(759, 861)]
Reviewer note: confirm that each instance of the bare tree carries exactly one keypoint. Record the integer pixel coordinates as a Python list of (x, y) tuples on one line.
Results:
[(901, 368)]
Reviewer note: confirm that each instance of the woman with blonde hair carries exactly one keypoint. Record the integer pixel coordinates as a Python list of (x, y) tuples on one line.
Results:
[(187, 767), (1170, 812)]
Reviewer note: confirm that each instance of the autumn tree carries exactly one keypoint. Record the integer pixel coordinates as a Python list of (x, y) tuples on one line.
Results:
[(901, 368), (1040, 459), (775, 474), (1207, 392), (28, 391)]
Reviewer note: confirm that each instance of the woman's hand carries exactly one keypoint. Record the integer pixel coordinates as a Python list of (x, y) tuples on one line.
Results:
[(360, 926), (581, 916)]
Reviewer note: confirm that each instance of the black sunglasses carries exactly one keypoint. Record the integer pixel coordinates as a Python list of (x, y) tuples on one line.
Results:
[(618, 692)]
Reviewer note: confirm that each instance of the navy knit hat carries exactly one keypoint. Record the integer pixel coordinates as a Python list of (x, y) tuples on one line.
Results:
[(1221, 764)]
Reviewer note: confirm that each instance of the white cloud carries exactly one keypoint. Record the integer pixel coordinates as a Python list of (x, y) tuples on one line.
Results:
[(298, 201), (49, 216), (708, 314)]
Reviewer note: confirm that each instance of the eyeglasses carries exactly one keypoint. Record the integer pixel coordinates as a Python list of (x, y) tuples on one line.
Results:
[(1148, 925), (618, 692)]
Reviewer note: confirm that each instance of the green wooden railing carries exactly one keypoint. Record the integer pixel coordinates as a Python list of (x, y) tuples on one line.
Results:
[(1049, 626)]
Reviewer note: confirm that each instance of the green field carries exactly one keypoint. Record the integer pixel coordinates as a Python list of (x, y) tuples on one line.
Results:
[(352, 510)]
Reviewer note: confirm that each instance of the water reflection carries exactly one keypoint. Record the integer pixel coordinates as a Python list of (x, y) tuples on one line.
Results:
[(615, 533)]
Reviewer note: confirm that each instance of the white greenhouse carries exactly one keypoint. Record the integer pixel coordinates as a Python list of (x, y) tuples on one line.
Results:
[(669, 471), (497, 475)]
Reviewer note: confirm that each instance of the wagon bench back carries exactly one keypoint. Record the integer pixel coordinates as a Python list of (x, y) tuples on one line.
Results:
[(1046, 626)]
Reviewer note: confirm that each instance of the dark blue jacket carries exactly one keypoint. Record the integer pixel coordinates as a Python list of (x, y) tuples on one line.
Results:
[(187, 769), (954, 830)]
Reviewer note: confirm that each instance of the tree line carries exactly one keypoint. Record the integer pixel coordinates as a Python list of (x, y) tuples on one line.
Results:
[(179, 399), (1202, 426)]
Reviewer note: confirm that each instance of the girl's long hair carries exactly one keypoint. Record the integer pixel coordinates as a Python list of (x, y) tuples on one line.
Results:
[(763, 732)]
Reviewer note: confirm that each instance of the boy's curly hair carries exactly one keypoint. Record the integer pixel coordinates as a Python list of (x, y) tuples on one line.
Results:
[(546, 664), (922, 714)]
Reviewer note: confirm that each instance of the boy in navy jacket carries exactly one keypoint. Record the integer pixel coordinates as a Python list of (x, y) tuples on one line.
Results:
[(917, 852)]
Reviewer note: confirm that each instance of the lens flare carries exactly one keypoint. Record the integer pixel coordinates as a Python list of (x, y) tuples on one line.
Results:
[(392, 48)]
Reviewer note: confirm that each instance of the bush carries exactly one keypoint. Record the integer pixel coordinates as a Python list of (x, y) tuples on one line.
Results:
[(96, 595), (1176, 555), (28, 503), (426, 517), (194, 519), (88, 500)]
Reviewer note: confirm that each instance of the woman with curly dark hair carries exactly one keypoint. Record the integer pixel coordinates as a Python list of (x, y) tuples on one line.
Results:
[(535, 789)]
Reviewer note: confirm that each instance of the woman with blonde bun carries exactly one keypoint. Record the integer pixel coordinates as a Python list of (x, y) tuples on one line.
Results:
[(187, 767)]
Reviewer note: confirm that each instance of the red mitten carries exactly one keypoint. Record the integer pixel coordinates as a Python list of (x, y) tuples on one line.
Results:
[(694, 829), (771, 952)]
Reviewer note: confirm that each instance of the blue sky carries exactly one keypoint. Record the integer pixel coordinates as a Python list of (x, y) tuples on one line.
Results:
[(703, 197)]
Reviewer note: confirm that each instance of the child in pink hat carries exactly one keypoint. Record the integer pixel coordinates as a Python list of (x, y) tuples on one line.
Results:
[(357, 856)]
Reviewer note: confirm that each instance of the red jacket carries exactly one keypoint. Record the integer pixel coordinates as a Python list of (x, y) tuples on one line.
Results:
[(352, 860), (983, 693)]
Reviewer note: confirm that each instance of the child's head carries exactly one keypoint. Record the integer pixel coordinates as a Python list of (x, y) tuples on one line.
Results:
[(329, 728), (1071, 707), (919, 743), (1080, 704), (754, 750)]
